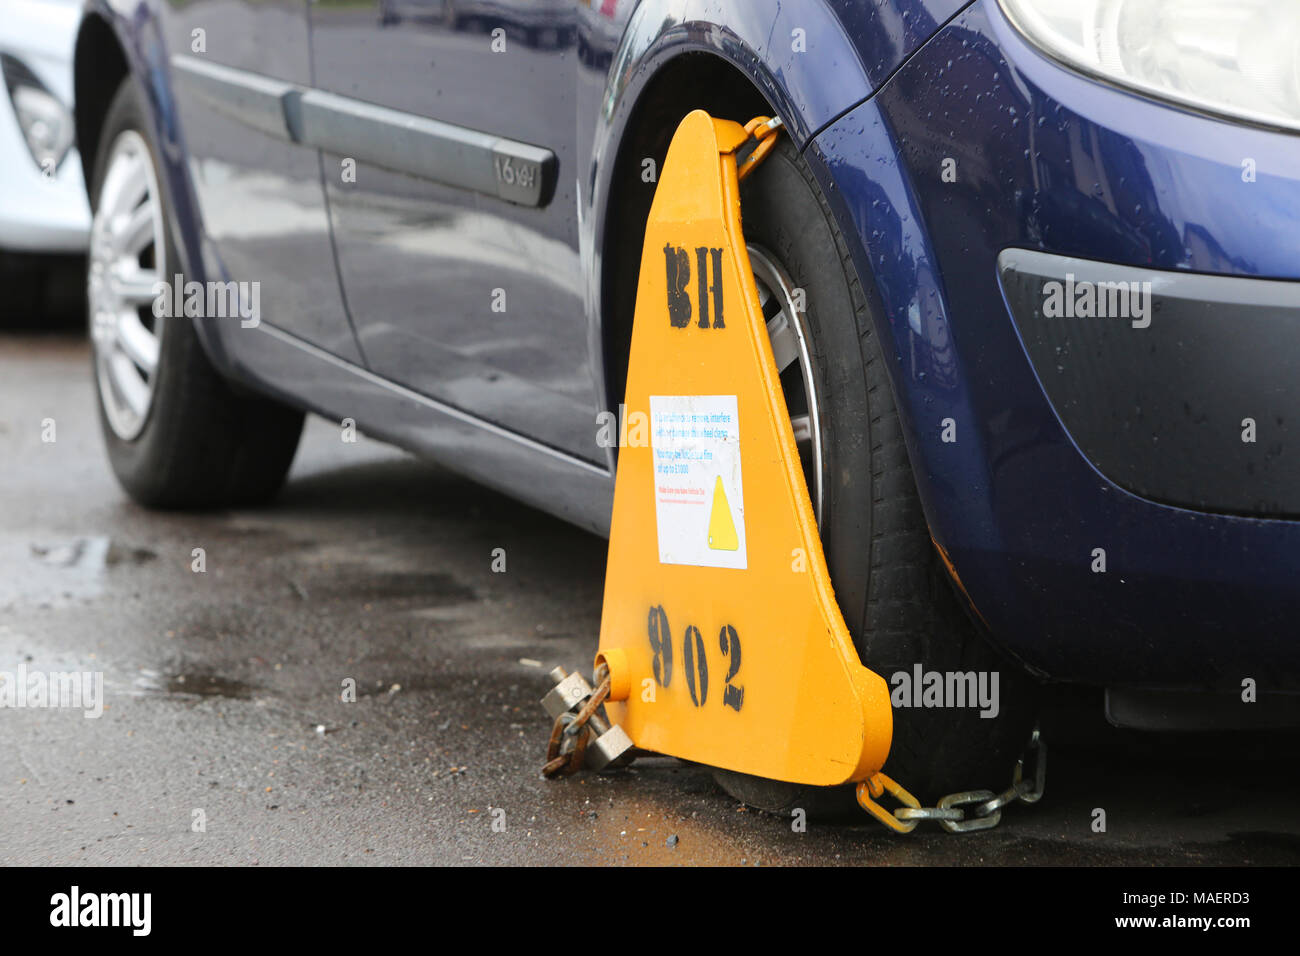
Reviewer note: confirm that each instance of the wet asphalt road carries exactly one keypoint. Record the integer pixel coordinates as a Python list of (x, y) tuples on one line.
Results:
[(222, 688)]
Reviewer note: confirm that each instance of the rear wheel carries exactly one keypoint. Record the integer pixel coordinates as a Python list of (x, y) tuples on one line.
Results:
[(178, 435), (896, 596)]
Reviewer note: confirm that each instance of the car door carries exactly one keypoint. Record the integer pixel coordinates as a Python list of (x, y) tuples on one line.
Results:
[(448, 131), (259, 192)]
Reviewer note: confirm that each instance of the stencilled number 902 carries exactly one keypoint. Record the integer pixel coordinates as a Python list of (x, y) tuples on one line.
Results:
[(694, 659)]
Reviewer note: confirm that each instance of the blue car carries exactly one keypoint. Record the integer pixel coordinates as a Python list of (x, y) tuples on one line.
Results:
[(1031, 270)]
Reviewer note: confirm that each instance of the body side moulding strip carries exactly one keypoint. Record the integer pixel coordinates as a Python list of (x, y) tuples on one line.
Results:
[(457, 156)]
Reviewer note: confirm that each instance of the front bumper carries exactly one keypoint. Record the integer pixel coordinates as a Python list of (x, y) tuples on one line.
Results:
[(980, 146)]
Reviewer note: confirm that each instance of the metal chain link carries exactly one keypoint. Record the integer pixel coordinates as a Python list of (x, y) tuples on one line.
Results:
[(567, 749), (961, 812)]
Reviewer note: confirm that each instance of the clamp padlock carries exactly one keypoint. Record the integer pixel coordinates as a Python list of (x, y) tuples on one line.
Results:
[(610, 746)]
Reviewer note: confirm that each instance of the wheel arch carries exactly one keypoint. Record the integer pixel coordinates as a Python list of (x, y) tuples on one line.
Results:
[(672, 58), (118, 39), (99, 66)]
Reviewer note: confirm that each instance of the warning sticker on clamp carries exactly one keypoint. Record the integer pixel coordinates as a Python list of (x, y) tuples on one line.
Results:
[(699, 494)]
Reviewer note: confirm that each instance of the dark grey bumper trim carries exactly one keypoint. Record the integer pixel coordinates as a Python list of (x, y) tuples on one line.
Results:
[(1185, 389)]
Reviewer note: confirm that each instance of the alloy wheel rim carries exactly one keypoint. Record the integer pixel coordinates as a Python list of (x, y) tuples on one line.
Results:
[(127, 259), (787, 329)]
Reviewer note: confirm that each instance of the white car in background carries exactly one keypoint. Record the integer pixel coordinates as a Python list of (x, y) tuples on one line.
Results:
[(44, 213)]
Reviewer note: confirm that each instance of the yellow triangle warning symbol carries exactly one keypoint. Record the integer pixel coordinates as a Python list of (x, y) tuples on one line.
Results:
[(722, 530)]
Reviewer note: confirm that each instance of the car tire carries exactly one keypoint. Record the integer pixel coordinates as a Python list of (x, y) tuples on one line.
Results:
[(897, 597), (194, 442)]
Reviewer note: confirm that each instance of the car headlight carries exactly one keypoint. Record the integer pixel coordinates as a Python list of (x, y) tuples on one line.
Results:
[(46, 123), (1240, 58)]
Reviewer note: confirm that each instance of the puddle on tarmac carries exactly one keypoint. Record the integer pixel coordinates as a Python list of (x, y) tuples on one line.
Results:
[(193, 686), (58, 571)]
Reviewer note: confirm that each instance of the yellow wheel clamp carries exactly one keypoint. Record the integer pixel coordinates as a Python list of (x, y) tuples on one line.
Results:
[(720, 632)]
